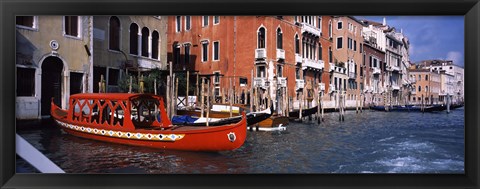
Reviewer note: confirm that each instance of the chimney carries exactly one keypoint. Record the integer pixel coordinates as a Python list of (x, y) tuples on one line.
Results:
[(384, 21)]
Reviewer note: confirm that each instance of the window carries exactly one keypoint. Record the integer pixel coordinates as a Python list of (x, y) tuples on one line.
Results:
[(113, 75), (216, 78), (339, 42), (261, 71), (426, 88), (330, 29), (349, 43), (188, 23), (134, 39), (216, 20), (330, 54), (25, 81), (27, 21), (216, 49), (176, 54), (320, 23), (178, 23), (279, 39), (205, 21), (297, 73), (145, 35), (426, 77), (354, 45), (114, 33), (261, 38), (71, 25), (297, 44), (339, 25), (320, 51), (75, 82), (204, 51), (155, 41), (279, 71), (361, 48), (419, 88), (419, 77), (187, 53)]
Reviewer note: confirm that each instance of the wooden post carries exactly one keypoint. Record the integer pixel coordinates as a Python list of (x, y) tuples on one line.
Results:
[(202, 106), (251, 91), (176, 97), (300, 102), (196, 89), (208, 102), (173, 99), (230, 99), (188, 87), (155, 86), (448, 103), (223, 95), (321, 102), (169, 98), (130, 86)]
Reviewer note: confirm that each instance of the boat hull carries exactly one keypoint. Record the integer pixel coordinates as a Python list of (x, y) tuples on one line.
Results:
[(219, 138)]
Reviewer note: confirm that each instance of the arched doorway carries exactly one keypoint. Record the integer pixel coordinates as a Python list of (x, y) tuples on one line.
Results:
[(52, 68)]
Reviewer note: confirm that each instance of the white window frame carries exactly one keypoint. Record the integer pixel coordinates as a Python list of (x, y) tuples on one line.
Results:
[(213, 51), (178, 24), (203, 21), (339, 22), (336, 42), (185, 18), (34, 25), (79, 29), (203, 49), (216, 23)]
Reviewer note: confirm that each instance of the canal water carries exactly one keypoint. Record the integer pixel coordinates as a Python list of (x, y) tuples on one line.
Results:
[(368, 142)]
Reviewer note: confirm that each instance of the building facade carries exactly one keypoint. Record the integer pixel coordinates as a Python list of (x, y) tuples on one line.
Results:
[(426, 86), (122, 44), (449, 68), (46, 65)]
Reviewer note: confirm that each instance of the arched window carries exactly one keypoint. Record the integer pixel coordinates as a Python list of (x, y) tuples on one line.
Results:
[(155, 40), (330, 29), (114, 33), (261, 38), (145, 36), (297, 44), (426, 88), (419, 88), (134, 39), (279, 39), (304, 50), (426, 77)]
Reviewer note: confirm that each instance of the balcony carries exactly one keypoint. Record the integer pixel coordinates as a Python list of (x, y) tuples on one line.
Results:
[(310, 29), (375, 70), (352, 75), (260, 53), (395, 87), (298, 58), (393, 68), (313, 64), (299, 84), (321, 87), (332, 67), (259, 82), (331, 88), (282, 81), (280, 54)]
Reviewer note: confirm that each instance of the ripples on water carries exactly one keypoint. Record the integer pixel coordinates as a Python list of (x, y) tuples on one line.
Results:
[(369, 142)]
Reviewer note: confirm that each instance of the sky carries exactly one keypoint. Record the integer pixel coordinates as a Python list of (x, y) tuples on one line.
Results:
[(431, 37)]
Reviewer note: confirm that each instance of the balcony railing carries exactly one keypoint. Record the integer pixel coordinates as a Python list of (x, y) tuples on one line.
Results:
[(299, 84), (321, 87), (282, 81), (310, 29), (352, 75), (259, 82), (315, 64), (260, 53), (298, 58), (393, 68), (376, 70), (280, 54), (331, 88)]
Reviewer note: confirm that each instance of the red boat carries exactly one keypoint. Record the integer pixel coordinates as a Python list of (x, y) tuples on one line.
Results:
[(141, 120)]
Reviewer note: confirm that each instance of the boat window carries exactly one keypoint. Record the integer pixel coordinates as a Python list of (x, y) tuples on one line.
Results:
[(145, 112)]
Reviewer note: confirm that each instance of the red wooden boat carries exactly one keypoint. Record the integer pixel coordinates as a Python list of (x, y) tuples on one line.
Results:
[(141, 120)]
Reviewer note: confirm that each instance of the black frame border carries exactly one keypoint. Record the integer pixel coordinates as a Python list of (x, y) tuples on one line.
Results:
[(9, 8)]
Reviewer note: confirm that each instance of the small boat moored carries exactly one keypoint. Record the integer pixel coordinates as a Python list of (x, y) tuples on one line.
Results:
[(141, 120)]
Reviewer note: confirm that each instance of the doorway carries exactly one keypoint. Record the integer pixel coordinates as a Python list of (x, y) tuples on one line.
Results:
[(52, 68)]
